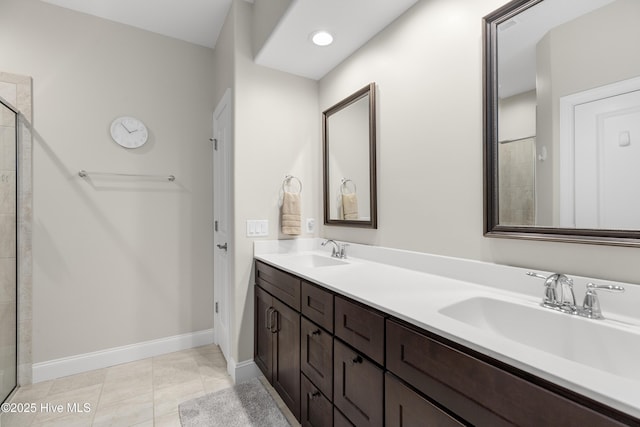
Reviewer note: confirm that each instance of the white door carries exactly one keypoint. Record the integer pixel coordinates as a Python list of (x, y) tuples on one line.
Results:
[(222, 208), (607, 162)]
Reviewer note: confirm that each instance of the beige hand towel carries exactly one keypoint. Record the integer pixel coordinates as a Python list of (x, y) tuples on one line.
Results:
[(291, 213), (350, 206)]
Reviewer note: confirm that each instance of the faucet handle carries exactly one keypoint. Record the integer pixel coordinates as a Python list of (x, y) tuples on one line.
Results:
[(537, 275), (343, 250), (591, 304)]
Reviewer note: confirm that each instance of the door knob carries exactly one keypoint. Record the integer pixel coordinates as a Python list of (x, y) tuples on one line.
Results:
[(223, 247)]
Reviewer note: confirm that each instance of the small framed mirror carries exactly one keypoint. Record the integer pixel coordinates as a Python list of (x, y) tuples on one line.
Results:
[(562, 114), (349, 157)]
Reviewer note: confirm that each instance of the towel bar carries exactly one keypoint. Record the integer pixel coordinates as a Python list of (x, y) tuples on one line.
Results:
[(85, 174)]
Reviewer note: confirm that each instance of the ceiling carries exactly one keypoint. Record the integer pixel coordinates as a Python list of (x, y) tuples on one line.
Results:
[(288, 48), (352, 23), (519, 36), (194, 21)]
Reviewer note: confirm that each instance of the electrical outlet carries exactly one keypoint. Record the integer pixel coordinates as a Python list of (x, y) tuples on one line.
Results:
[(311, 225)]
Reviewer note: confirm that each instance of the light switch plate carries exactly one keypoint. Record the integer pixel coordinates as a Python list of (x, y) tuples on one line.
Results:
[(257, 227)]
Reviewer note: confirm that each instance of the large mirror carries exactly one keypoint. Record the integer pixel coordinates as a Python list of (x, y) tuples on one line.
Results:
[(349, 146), (562, 121)]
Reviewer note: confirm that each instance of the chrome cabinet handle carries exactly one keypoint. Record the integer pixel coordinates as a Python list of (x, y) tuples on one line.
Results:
[(316, 332), (314, 395), (275, 321), (223, 246), (267, 318)]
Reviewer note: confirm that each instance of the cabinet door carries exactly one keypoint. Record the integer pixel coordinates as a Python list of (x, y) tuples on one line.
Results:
[(286, 363), (358, 387), (317, 356), (263, 348), (316, 409), (406, 408)]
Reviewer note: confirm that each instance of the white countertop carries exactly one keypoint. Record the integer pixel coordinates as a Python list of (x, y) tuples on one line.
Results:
[(414, 287)]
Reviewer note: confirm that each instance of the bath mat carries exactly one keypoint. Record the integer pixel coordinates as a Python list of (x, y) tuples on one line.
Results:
[(247, 404)]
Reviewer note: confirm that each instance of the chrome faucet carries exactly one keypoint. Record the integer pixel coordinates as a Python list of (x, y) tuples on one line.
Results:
[(339, 249), (566, 302), (558, 292)]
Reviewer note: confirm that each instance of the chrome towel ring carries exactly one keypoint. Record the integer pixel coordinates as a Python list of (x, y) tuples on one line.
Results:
[(287, 182), (344, 186)]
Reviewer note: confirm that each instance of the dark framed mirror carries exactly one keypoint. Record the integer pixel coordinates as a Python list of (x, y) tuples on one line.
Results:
[(349, 160), (562, 121)]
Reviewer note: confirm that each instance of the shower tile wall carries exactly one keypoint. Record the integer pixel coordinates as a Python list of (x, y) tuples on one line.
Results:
[(517, 182), (17, 89)]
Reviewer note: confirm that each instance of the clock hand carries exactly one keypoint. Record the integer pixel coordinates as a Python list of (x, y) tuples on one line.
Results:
[(125, 128)]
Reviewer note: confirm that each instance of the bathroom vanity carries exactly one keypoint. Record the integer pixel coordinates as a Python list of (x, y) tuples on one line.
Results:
[(377, 339)]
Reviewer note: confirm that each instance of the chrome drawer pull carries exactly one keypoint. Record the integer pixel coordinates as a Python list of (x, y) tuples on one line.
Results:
[(356, 360)]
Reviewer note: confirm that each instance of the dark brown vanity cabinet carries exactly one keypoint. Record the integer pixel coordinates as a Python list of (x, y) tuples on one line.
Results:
[(480, 392), (340, 363), (277, 346)]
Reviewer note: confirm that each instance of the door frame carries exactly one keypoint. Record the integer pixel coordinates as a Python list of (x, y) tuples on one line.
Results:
[(566, 168)]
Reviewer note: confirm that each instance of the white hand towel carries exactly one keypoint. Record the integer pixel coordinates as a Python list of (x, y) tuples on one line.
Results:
[(350, 206), (291, 213)]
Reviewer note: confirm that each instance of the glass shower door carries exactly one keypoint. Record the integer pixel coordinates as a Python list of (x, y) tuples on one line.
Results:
[(8, 252)]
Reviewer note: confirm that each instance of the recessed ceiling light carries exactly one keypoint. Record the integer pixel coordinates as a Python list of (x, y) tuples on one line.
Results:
[(322, 38)]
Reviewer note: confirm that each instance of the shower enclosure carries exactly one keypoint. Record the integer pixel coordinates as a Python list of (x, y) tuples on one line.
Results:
[(9, 126)]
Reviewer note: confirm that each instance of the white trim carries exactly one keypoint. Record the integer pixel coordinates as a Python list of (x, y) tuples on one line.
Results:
[(243, 371), (65, 366)]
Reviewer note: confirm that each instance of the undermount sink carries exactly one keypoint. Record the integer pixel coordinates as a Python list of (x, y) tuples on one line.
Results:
[(600, 344), (313, 260)]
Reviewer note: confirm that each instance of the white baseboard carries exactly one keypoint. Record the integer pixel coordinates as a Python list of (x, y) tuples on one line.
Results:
[(114, 356), (243, 371)]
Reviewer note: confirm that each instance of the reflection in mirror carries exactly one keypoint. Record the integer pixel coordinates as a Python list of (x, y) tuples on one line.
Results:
[(562, 128), (349, 160)]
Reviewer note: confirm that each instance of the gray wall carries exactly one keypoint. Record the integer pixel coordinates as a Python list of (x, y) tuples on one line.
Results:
[(430, 145), (115, 262)]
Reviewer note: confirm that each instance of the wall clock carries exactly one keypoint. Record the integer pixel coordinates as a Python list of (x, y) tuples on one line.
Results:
[(129, 132)]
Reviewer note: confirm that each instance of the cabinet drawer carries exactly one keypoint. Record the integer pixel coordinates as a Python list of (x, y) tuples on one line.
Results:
[(316, 409), (476, 390), (357, 387), (316, 354), (406, 408), (317, 305), (340, 420), (360, 327), (281, 285)]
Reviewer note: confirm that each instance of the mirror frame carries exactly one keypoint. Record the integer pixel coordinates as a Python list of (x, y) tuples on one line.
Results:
[(492, 228), (370, 90)]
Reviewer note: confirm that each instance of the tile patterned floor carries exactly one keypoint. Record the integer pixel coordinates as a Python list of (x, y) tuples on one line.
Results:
[(145, 393)]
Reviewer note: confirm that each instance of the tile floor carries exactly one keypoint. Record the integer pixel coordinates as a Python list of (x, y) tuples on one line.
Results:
[(144, 393)]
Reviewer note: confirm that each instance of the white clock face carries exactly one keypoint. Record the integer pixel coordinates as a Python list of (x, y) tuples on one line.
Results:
[(129, 132)]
